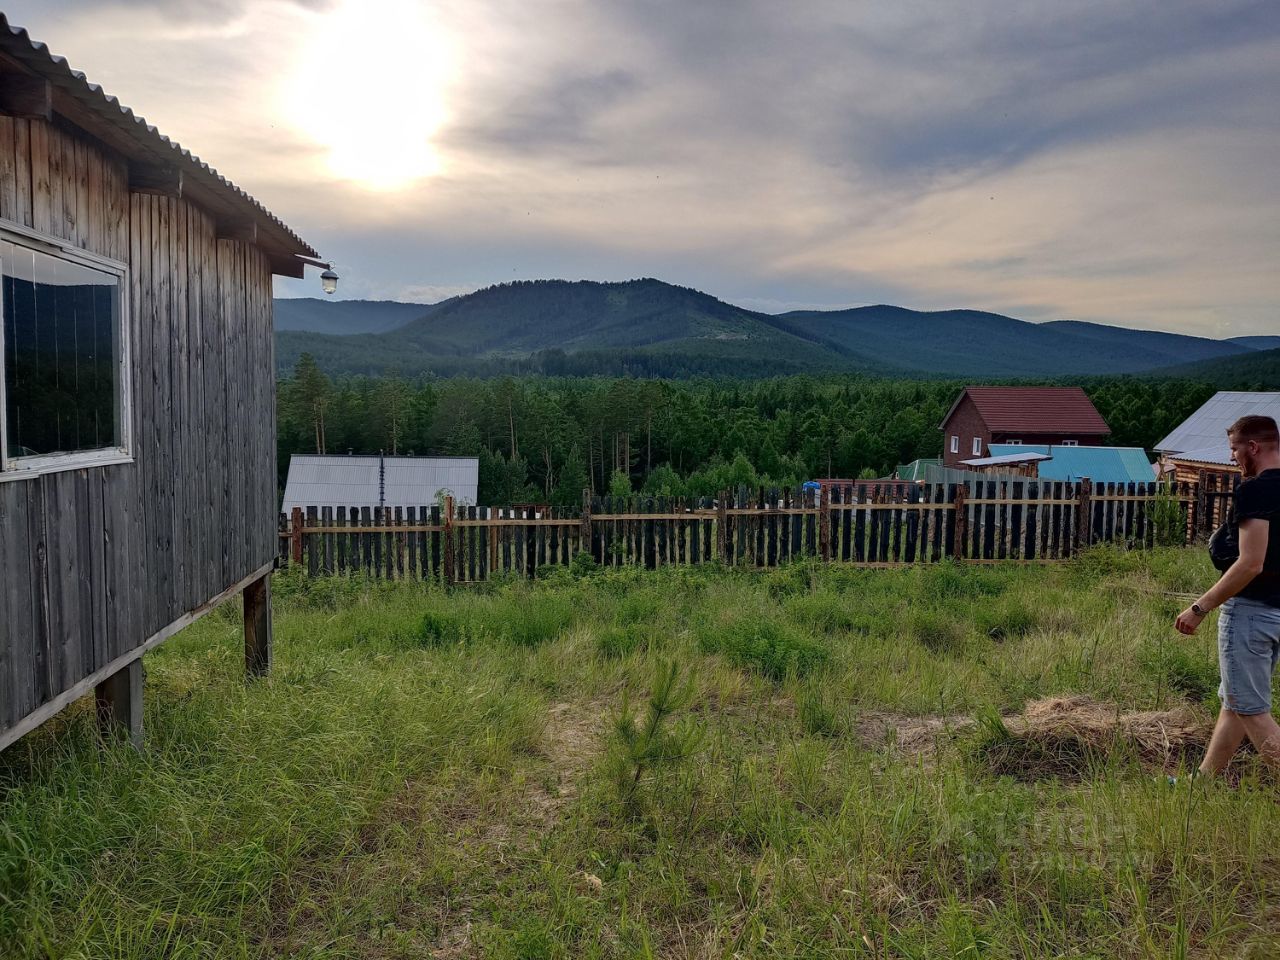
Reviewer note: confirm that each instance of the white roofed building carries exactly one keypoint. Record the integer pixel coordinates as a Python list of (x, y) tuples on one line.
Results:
[(1199, 443), (325, 480)]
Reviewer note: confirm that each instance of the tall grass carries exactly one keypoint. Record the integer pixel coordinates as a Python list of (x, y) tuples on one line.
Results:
[(435, 772)]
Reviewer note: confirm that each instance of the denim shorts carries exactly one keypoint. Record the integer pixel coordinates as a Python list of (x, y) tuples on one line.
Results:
[(1248, 649)]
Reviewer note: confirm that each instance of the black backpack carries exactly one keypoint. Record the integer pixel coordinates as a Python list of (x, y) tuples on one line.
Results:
[(1224, 546)]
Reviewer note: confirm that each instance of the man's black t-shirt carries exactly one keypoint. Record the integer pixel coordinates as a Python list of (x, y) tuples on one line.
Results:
[(1259, 499)]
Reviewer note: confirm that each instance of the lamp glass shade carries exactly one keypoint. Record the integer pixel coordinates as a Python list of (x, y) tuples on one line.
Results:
[(329, 281)]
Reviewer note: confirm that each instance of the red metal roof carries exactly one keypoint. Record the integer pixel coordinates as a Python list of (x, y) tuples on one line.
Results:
[(1064, 410)]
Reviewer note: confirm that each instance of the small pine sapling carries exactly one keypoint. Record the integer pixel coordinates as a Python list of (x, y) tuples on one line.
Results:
[(640, 751)]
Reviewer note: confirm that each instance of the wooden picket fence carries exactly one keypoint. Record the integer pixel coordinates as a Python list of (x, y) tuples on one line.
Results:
[(872, 524)]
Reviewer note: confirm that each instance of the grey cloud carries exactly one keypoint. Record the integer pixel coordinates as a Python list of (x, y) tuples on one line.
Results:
[(911, 87), (561, 114), (178, 11)]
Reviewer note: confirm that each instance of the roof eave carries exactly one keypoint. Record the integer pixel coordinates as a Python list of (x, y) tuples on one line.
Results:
[(87, 107)]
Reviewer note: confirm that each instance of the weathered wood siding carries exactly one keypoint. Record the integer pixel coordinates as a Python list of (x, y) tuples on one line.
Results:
[(96, 561)]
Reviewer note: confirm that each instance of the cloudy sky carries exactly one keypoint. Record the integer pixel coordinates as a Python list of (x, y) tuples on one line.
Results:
[(1108, 161)]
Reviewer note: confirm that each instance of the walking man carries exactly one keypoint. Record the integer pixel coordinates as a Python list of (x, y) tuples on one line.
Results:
[(1249, 593)]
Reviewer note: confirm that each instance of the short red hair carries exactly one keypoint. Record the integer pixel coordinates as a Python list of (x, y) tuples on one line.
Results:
[(1259, 429)]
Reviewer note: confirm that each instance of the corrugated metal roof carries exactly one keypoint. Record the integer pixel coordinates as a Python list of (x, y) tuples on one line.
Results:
[(1035, 410), (932, 471), (353, 481), (1023, 455), (916, 469), (36, 56), (1219, 454), (1204, 433), (1099, 464)]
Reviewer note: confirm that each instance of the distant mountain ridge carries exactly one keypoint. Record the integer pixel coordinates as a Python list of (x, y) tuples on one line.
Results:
[(1254, 370), (346, 317), (657, 328)]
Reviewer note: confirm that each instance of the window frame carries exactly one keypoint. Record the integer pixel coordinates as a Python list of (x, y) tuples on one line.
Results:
[(18, 468), (1069, 443), (955, 443), (977, 446)]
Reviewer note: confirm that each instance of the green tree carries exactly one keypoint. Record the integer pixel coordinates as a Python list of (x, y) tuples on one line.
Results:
[(620, 484), (308, 397)]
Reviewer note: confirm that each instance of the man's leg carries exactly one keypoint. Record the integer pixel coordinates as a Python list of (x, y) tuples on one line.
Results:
[(1264, 732), (1228, 734)]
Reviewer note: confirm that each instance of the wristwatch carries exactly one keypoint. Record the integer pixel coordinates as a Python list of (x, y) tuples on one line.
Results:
[(1198, 610)]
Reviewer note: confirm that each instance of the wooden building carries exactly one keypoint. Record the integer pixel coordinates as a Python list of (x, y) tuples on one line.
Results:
[(1198, 448), (982, 416), (138, 469)]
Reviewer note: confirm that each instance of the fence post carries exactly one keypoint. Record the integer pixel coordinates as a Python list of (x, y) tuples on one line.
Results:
[(824, 522), (722, 527), (295, 532), (1203, 521), (1084, 516), (959, 529), (448, 541), (586, 542)]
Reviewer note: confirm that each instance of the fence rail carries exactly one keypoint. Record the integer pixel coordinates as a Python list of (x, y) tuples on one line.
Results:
[(866, 524)]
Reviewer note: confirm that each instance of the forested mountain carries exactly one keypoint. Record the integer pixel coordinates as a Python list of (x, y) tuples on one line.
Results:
[(345, 317), (650, 328), (534, 326), (1257, 343), (1256, 370), (975, 343)]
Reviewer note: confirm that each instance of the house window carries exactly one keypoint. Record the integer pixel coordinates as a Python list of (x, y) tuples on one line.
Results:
[(1070, 443), (1014, 443), (955, 444), (977, 446), (64, 387)]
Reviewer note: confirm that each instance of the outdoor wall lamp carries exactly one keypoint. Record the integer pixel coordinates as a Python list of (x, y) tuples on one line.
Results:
[(329, 280)]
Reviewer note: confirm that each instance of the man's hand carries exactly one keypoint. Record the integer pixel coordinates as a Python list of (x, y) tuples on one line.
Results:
[(1187, 621)]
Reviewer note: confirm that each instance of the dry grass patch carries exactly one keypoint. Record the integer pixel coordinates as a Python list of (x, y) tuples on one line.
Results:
[(1065, 737)]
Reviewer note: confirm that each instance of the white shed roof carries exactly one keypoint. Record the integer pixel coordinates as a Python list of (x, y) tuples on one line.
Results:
[(1029, 456), (359, 481), (1204, 433)]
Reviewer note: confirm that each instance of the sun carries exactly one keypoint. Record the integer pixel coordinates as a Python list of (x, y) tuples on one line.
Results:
[(369, 86)]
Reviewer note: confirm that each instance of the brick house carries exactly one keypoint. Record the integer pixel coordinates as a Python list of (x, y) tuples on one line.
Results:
[(1052, 416)]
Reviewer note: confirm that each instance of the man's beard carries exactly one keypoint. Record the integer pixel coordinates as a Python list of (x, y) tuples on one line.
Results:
[(1248, 465)]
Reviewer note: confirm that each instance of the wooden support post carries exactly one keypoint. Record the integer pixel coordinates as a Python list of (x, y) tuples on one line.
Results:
[(119, 703), (449, 534), (295, 533), (257, 627), (585, 542), (1084, 520), (960, 528), (824, 522), (722, 527)]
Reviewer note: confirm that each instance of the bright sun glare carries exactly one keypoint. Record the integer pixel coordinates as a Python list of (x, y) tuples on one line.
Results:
[(370, 87)]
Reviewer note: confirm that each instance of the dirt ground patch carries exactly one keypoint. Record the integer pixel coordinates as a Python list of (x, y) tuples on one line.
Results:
[(571, 741), (915, 736)]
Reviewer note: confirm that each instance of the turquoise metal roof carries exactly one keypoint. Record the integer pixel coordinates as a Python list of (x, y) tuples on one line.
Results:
[(1099, 464)]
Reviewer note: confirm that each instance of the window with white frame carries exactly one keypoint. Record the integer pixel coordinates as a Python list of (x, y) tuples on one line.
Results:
[(977, 446), (1070, 443), (1014, 443), (65, 386), (955, 444)]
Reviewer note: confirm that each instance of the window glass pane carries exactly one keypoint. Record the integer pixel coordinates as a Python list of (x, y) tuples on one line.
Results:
[(61, 352)]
